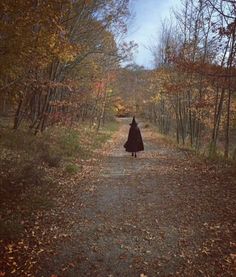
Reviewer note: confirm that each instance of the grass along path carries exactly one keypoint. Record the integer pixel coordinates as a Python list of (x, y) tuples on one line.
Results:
[(36, 173)]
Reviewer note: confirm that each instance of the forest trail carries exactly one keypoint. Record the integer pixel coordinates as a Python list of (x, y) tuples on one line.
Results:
[(160, 214)]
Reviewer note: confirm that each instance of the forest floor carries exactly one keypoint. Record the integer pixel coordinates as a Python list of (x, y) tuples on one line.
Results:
[(164, 213)]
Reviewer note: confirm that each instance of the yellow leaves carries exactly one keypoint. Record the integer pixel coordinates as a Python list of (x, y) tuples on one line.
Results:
[(156, 98), (67, 56), (9, 248), (52, 41), (233, 257), (40, 251)]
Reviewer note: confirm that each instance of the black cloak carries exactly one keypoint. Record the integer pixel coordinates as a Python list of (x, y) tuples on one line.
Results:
[(134, 142)]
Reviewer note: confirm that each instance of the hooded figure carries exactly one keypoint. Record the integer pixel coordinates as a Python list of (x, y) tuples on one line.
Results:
[(134, 142)]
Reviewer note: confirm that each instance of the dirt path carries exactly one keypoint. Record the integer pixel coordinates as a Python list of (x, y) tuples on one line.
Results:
[(160, 214)]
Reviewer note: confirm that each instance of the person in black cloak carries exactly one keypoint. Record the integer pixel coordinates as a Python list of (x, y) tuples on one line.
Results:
[(134, 142)]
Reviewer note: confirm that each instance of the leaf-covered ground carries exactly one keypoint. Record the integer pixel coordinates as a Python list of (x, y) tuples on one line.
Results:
[(164, 213)]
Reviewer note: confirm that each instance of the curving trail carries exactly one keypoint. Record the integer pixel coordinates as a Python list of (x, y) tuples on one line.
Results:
[(161, 214)]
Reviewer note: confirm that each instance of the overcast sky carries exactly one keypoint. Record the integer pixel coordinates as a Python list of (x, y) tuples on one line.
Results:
[(146, 25)]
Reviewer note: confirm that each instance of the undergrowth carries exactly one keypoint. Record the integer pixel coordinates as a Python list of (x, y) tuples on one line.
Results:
[(26, 161), (202, 153)]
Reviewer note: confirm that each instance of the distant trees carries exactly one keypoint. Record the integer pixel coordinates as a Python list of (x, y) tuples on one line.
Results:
[(194, 84), (53, 55), (130, 87)]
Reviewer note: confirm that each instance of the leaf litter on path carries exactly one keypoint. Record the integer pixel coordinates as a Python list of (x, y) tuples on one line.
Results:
[(164, 213)]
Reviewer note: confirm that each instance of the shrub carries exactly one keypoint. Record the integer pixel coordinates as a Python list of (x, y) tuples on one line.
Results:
[(22, 171), (30, 173), (69, 143), (51, 159), (71, 168)]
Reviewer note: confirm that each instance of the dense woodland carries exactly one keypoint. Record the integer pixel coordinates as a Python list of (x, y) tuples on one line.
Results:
[(190, 94), (59, 59), (63, 62)]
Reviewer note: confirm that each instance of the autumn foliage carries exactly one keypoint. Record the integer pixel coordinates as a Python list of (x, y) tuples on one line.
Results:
[(191, 93), (53, 53)]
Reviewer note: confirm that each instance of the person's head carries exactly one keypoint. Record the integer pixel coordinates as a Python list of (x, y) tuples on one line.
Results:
[(133, 123)]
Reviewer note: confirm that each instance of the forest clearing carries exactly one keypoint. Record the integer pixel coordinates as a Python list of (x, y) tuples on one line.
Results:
[(85, 189)]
